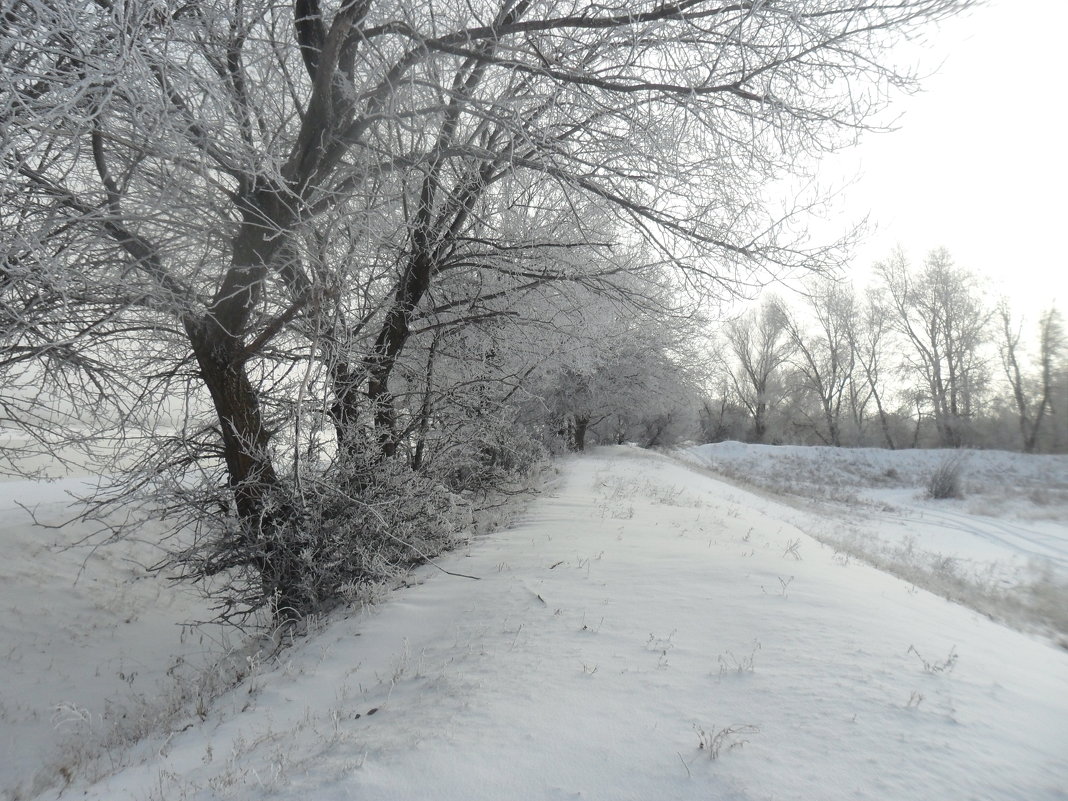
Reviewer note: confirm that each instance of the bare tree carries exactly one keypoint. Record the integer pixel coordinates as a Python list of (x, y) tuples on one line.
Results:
[(943, 319), (824, 358), (1033, 396), (758, 346), (721, 417), (869, 333)]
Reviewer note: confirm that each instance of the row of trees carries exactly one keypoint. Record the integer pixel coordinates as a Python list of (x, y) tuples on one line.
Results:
[(919, 359), (310, 273)]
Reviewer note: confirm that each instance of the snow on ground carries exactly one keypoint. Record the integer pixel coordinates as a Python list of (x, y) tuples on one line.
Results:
[(1002, 548), (646, 632), (92, 646)]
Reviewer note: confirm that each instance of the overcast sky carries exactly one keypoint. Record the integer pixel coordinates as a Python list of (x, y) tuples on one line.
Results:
[(978, 161)]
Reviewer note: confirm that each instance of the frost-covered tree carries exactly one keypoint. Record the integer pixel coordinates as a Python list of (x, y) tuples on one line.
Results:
[(941, 315), (869, 335), (821, 353), (758, 346), (227, 224), (614, 369)]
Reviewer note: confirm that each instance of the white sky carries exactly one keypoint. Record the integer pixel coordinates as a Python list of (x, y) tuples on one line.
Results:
[(978, 162)]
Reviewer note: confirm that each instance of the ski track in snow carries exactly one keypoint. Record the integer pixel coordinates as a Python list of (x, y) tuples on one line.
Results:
[(1025, 540), (938, 527)]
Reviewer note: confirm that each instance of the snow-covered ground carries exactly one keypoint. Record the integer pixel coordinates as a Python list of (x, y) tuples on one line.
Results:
[(94, 650), (1002, 547), (645, 632)]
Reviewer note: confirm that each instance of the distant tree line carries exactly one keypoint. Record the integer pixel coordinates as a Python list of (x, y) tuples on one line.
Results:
[(919, 359)]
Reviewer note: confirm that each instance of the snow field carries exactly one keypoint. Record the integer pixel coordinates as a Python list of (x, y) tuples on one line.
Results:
[(1001, 549), (640, 620)]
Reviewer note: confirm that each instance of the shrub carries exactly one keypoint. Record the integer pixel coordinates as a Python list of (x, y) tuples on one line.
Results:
[(945, 481), (488, 455), (347, 528)]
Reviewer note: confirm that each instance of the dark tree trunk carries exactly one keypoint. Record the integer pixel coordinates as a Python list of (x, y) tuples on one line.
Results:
[(265, 510), (760, 426), (884, 421), (425, 407), (393, 336), (578, 425), (345, 410)]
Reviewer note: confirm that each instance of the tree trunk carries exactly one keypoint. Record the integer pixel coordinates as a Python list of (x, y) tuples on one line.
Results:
[(760, 426), (425, 407), (833, 433), (393, 336), (582, 423), (574, 431), (265, 510), (884, 421), (345, 410)]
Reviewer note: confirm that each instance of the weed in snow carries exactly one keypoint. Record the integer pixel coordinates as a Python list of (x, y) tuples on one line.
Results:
[(729, 738), (793, 549), (662, 645), (784, 584), (593, 629), (729, 663), (945, 666)]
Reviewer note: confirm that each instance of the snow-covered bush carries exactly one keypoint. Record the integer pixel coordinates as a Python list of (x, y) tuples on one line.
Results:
[(945, 481), (382, 519), (327, 536), (490, 456)]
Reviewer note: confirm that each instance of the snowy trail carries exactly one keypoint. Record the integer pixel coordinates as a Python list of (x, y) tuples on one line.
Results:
[(641, 611)]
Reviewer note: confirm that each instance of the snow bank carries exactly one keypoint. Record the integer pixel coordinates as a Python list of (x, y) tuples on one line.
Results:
[(94, 651)]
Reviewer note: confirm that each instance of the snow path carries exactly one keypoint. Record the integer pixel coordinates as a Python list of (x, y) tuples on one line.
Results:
[(640, 608)]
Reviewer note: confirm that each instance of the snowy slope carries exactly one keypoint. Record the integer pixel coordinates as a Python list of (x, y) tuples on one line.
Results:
[(642, 619), (93, 650)]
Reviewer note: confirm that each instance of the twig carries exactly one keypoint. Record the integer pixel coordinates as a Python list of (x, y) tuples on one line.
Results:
[(683, 761)]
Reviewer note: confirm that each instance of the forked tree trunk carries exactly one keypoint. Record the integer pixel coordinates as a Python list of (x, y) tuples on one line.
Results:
[(266, 511)]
